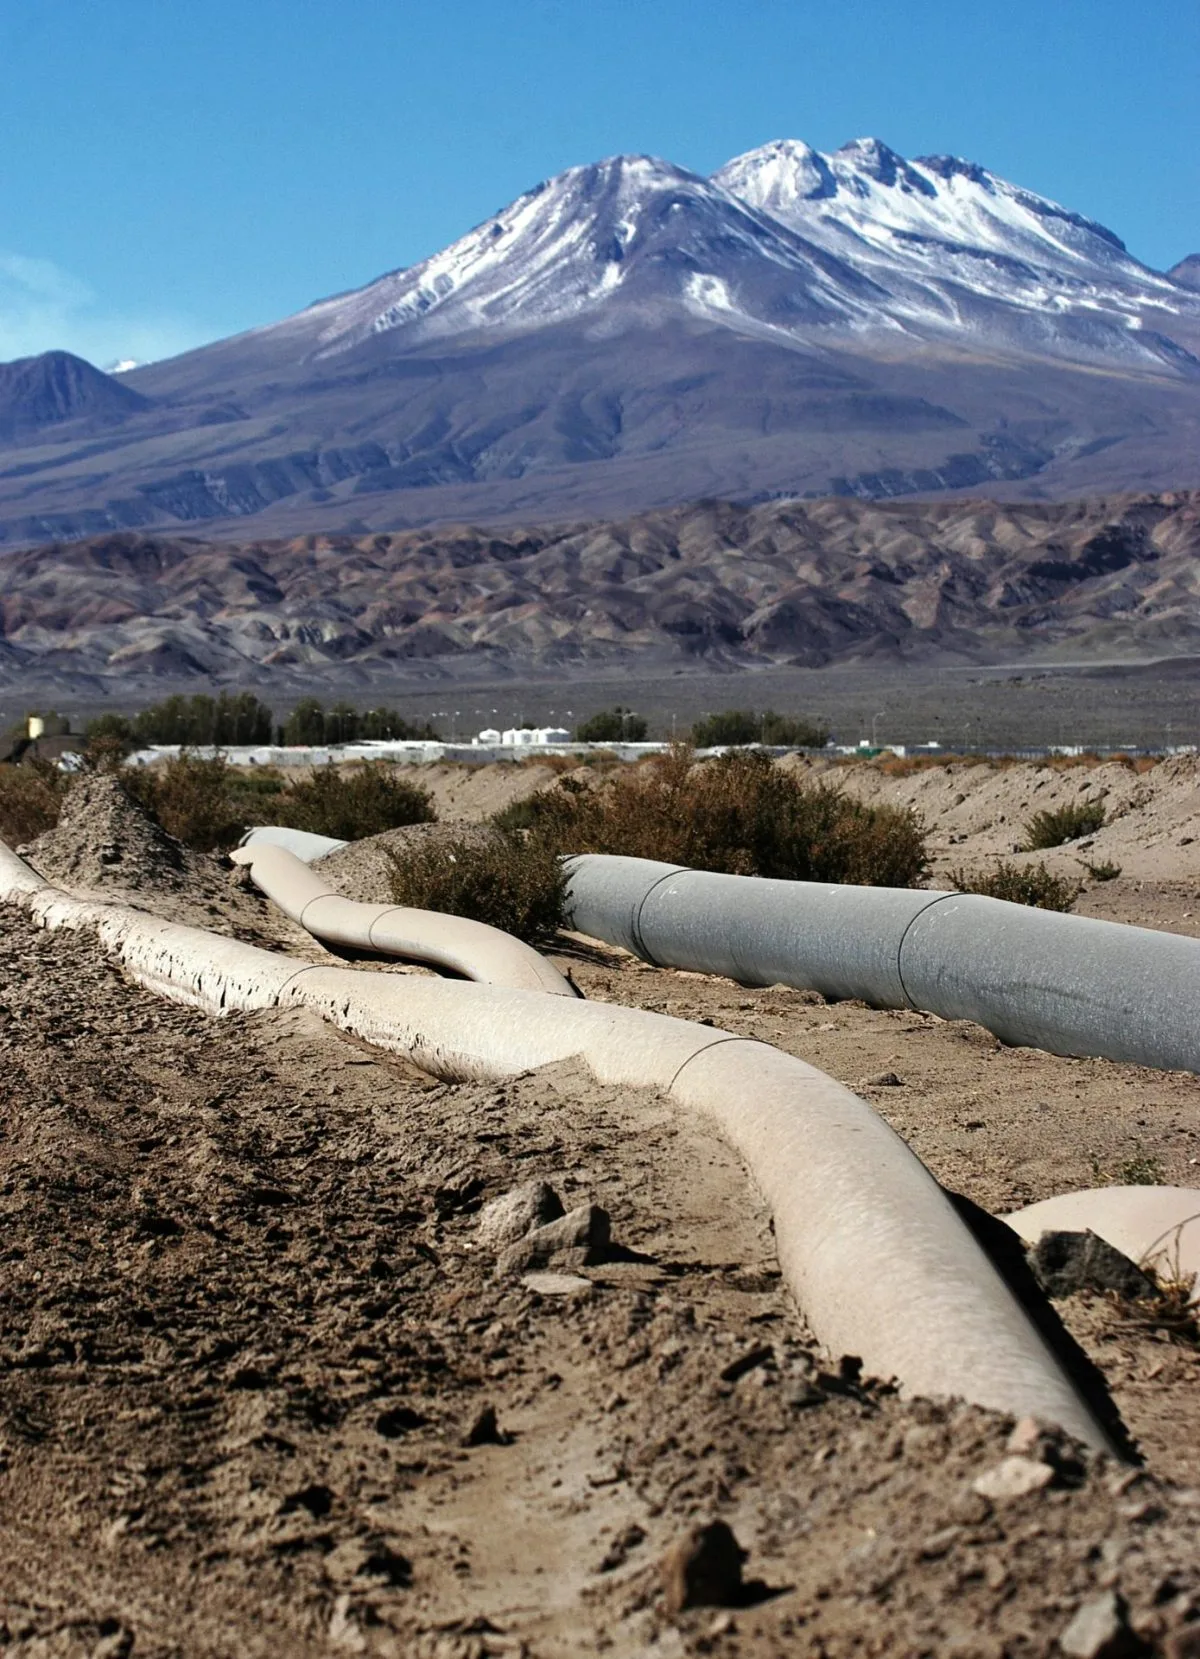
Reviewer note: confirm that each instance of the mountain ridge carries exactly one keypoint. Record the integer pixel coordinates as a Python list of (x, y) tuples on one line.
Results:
[(630, 334), (712, 584)]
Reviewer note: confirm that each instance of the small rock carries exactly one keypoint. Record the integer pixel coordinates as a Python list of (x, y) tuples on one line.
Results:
[(1015, 1477), (969, 1508), (1027, 1436), (344, 1631), (518, 1212), (1063, 1263), (557, 1284), (764, 1354), (939, 1543), (703, 1569), (484, 1429), (576, 1239), (618, 1550), (1100, 1630), (113, 1644), (881, 1080)]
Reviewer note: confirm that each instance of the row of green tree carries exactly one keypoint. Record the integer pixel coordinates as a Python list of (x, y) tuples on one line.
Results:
[(240, 718), (730, 728)]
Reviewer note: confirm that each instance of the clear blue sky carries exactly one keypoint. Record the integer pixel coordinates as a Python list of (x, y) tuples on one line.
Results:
[(176, 170)]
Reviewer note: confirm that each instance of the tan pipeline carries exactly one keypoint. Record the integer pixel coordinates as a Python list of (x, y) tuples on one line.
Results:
[(871, 1246), (1158, 1227), (469, 948)]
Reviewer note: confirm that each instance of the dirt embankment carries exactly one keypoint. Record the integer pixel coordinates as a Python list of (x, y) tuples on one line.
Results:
[(977, 813), (248, 1325)]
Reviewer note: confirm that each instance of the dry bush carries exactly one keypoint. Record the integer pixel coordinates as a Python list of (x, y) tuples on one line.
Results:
[(349, 803), (31, 798), (511, 881), (1070, 763), (1060, 824), (1104, 871), (207, 804), (1032, 884), (740, 814), (193, 798)]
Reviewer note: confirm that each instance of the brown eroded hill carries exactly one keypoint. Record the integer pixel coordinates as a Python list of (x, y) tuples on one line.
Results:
[(806, 583)]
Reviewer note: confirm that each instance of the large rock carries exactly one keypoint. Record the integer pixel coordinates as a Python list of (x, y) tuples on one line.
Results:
[(578, 1239), (518, 1212), (703, 1569), (1099, 1630)]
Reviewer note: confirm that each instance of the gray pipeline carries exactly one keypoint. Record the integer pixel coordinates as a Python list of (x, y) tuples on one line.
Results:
[(1036, 978), (875, 1253)]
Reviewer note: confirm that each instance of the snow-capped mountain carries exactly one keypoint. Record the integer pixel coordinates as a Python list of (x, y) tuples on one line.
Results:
[(632, 234), (783, 241), (630, 334)]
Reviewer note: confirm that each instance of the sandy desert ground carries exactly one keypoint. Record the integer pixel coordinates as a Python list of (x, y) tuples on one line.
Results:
[(247, 1326)]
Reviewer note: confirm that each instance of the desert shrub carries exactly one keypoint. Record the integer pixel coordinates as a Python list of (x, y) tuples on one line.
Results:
[(1060, 824), (193, 798), (1103, 871), (352, 802), (1143, 1169), (617, 725), (740, 814), (31, 798), (1031, 884), (733, 727), (511, 881), (108, 734), (207, 804)]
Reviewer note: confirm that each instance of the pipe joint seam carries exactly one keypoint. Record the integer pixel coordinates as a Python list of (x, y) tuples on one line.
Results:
[(935, 898), (717, 1042)]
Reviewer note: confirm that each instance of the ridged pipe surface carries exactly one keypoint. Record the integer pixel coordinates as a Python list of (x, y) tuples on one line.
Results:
[(1069, 984), (472, 949), (875, 1253)]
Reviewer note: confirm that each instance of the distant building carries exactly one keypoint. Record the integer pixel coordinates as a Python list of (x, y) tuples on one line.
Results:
[(524, 737)]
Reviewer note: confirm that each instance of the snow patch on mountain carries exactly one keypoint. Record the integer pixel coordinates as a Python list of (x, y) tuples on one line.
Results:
[(940, 219), (785, 242)]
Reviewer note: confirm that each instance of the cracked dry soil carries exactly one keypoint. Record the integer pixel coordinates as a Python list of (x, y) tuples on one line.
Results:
[(245, 1328)]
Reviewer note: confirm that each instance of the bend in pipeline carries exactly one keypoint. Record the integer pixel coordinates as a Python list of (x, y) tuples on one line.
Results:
[(454, 942), (874, 1253)]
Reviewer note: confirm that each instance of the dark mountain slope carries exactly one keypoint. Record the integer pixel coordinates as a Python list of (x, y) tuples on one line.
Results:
[(1187, 272), (46, 391), (805, 583)]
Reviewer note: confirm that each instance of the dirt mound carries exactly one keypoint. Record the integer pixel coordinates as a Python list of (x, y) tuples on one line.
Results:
[(249, 1322), (106, 844), (103, 839), (363, 870)]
